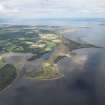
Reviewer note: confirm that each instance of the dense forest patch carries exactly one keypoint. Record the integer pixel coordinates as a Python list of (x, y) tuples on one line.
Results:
[(7, 75)]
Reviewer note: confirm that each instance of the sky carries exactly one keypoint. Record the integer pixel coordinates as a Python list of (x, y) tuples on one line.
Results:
[(27, 9)]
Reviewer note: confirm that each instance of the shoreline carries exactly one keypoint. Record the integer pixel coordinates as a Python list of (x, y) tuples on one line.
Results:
[(59, 77)]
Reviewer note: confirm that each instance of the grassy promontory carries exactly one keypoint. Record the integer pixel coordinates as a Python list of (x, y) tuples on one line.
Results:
[(49, 71), (58, 48)]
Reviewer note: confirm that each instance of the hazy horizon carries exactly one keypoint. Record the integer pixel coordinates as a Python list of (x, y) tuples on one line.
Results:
[(50, 9)]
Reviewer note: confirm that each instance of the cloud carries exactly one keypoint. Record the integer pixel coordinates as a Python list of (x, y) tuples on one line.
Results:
[(52, 8), (7, 11)]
